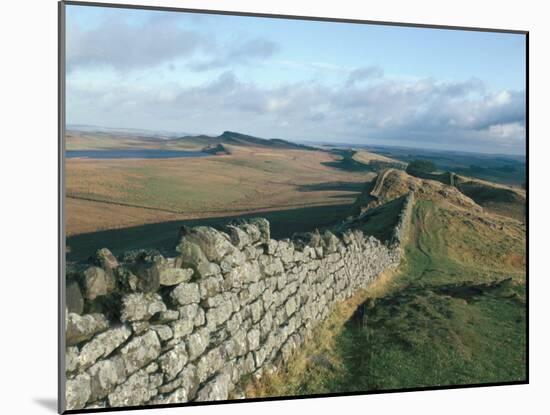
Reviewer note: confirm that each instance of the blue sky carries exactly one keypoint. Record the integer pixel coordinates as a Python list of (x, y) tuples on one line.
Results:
[(299, 80)]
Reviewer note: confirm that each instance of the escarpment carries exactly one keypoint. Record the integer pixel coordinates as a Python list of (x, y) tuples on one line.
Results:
[(147, 329)]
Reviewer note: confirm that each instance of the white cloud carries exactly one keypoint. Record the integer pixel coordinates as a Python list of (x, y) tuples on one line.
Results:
[(122, 45), (423, 112), (513, 131)]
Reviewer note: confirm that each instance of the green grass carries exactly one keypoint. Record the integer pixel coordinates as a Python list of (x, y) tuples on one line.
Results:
[(454, 313), (380, 221), (449, 318), (503, 201), (419, 337)]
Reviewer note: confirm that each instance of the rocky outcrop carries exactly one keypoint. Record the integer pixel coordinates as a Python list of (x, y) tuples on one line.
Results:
[(157, 330)]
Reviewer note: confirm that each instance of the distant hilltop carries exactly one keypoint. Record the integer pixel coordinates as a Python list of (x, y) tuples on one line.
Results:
[(239, 139), (92, 137)]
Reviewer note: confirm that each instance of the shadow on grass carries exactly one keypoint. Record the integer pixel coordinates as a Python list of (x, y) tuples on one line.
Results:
[(332, 186), (163, 236)]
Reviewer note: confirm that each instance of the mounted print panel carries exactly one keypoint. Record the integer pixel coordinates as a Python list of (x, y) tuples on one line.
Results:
[(258, 207)]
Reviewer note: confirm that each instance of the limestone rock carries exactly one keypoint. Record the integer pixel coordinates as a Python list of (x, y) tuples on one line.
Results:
[(106, 260), (177, 396), (213, 243), (197, 343), (232, 259), (127, 280), (263, 226), (218, 315), (140, 351), (173, 361), (243, 274), (98, 283), (182, 327), (167, 316), (253, 338), (71, 358), (170, 386), (189, 380), (239, 237), (270, 266), (140, 306), (148, 273), (105, 375), (163, 331), (77, 391), (102, 345), (331, 242), (186, 293), (80, 328), (210, 286), (215, 390), (175, 276), (192, 255), (210, 363), (256, 309), (135, 391)]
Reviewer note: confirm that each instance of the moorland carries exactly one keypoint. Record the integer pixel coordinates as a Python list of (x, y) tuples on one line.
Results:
[(453, 312)]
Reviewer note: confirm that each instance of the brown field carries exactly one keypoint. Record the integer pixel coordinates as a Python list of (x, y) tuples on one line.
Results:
[(117, 193)]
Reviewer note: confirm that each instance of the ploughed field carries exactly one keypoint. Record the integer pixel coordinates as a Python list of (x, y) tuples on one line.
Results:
[(118, 193)]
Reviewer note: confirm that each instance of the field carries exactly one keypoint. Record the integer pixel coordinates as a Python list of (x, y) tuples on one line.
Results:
[(140, 191)]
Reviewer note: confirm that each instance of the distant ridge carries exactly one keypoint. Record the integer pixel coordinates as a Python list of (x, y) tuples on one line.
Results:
[(92, 137), (243, 140)]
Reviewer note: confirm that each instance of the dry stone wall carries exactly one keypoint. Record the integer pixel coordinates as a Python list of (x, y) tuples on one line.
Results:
[(144, 329)]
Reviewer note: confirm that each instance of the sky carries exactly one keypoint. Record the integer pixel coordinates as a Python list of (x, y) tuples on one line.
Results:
[(296, 80)]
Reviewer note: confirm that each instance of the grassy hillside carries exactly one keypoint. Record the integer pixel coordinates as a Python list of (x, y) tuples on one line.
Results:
[(453, 313), (506, 201)]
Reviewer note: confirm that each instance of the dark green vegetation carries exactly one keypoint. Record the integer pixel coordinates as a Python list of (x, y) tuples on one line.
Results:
[(423, 166), (380, 220), (162, 236), (437, 335), (425, 169), (496, 168)]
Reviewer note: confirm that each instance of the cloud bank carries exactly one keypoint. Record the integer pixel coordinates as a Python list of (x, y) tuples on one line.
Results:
[(363, 105), (122, 45)]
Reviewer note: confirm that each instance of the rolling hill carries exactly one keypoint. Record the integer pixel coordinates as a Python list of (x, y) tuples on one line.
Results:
[(97, 140), (453, 313)]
